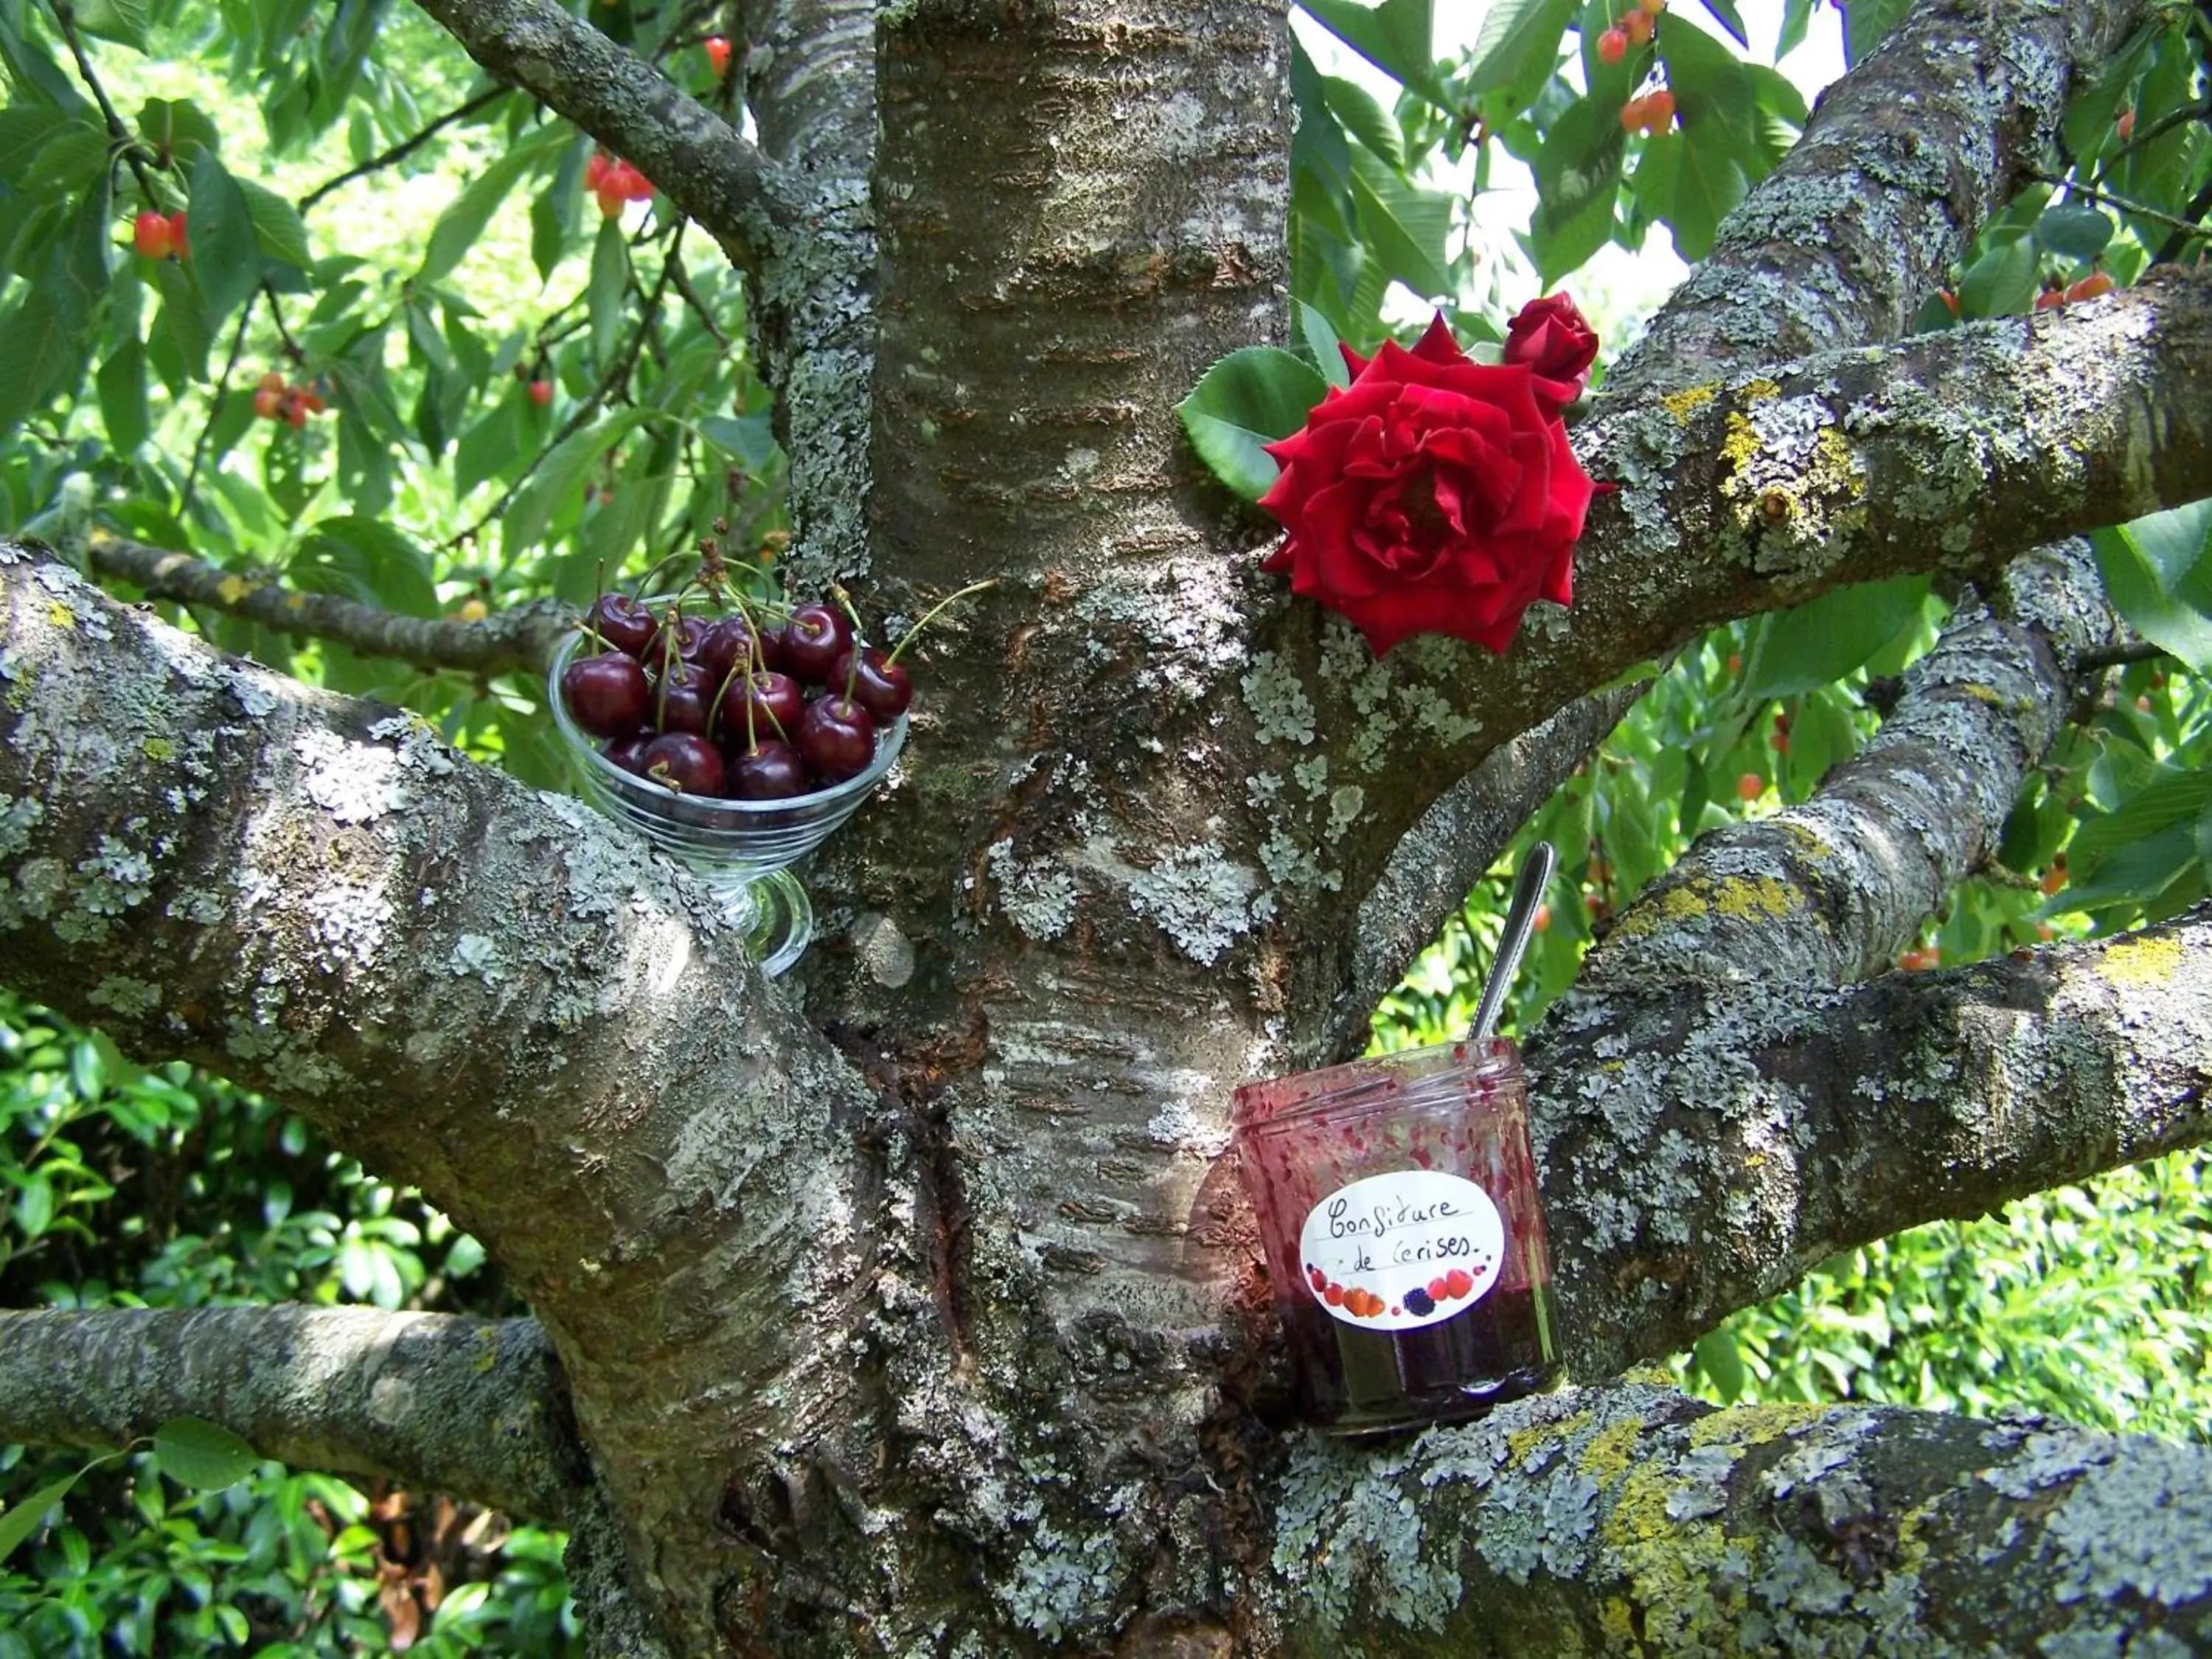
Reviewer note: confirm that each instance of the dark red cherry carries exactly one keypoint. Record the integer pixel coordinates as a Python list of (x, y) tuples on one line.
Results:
[(622, 622), (679, 699), (838, 737), (880, 685), (606, 693), (727, 643), (771, 770), (814, 637), (687, 631), (776, 703), (685, 763), (629, 752)]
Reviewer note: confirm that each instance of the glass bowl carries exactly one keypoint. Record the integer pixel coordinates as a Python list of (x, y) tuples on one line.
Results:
[(743, 849)]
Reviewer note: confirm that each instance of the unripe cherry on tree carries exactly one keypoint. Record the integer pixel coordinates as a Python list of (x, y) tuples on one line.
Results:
[(2125, 124), (1637, 26), (1612, 46), (718, 54), (150, 235)]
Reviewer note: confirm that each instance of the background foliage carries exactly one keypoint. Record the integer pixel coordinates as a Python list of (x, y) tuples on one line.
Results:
[(520, 393)]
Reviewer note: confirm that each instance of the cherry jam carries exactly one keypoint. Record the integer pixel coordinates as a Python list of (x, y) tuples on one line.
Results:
[(1396, 1198)]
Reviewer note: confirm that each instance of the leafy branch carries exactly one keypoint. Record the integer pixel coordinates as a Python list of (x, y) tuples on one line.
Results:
[(406, 147)]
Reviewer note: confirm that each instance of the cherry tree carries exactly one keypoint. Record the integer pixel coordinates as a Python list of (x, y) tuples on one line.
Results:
[(904, 1304)]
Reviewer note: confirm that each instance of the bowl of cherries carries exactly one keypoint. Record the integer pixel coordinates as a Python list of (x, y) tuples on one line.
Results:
[(734, 737)]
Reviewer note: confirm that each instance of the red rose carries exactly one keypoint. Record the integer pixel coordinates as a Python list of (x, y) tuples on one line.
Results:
[(1551, 336), (1433, 494)]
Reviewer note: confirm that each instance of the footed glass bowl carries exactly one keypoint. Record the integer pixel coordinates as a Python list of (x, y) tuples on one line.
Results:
[(743, 849)]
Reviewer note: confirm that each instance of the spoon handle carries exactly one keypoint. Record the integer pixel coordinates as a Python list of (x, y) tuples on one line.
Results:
[(1520, 922)]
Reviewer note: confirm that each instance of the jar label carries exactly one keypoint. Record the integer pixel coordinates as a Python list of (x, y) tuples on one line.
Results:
[(1395, 1252)]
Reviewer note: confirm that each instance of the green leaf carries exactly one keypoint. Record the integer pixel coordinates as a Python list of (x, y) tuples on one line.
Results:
[(114, 19), (465, 216), (1398, 37), (366, 559), (194, 1452), (494, 444), (1796, 19), (1778, 93), (554, 213), (609, 290), (559, 476), (2074, 230), (1577, 179), (1250, 398), (1713, 90), (2002, 282), (225, 260), (20, 1519), (35, 355), (1404, 227), (1865, 22), (1365, 119), (278, 229), (179, 344), (68, 161), (2134, 875), (121, 383), (2172, 542), (177, 129), (1730, 18), (1320, 341), (1517, 36), (26, 128), (1821, 642), (2174, 615), (2177, 797), (1708, 186), (79, 268), (1719, 1358), (750, 439)]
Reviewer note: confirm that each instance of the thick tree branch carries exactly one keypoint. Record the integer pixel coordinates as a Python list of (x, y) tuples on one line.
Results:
[(474, 1408), (1770, 1126), (484, 990), (689, 152), (1829, 891), (1903, 160), (519, 641), (1636, 1520)]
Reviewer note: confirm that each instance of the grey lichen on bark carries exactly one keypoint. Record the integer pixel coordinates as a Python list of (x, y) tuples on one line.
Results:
[(1827, 891), (436, 1402), (1770, 1126), (1633, 1519), (1903, 161)]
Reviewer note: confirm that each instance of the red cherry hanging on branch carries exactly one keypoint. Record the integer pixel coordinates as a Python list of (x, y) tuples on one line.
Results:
[(718, 54)]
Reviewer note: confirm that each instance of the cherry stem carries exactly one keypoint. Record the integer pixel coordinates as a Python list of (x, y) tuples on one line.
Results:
[(852, 655), (908, 638)]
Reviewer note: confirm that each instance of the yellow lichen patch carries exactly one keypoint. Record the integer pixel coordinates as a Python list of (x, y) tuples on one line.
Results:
[(1753, 1425), (2142, 961), (1748, 898), (60, 615), (1752, 391), (1605, 1460), (296, 601), (231, 589), (1687, 401), (159, 749), (1754, 898), (1835, 465), (1619, 1623), (1805, 843), (1672, 1566), (1739, 443), (1521, 1442)]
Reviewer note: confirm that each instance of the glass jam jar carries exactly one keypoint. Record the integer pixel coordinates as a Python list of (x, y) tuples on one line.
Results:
[(1397, 1205)]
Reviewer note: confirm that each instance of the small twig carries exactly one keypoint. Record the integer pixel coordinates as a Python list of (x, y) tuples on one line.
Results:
[(65, 18), (2157, 129), (292, 347), (2117, 656), (404, 148), (516, 641), (618, 373), (2185, 227), (214, 406), (689, 295)]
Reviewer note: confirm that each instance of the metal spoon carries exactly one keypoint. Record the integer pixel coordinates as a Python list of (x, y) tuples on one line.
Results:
[(1520, 922)]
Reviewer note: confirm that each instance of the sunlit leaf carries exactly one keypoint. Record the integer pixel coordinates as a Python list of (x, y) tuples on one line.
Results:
[(1249, 399)]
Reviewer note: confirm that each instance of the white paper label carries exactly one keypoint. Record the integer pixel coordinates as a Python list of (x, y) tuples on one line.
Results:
[(1395, 1252)]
